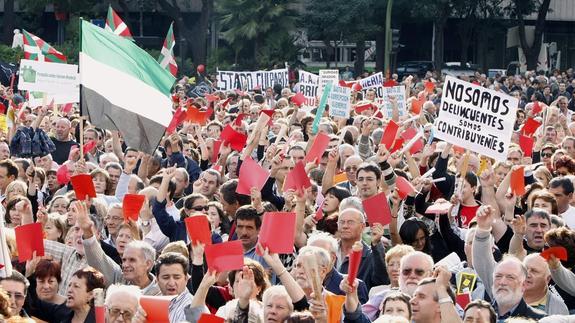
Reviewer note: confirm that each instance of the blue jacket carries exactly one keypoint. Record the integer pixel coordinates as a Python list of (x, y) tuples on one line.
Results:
[(179, 160), (174, 230), (334, 278)]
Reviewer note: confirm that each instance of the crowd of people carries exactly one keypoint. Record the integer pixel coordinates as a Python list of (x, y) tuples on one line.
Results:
[(406, 274)]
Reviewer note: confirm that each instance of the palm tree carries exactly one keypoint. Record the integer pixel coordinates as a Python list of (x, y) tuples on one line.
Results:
[(252, 23)]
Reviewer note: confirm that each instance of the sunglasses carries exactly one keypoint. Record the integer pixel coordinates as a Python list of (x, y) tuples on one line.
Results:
[(546, 154), (418, 272), (200, 208)]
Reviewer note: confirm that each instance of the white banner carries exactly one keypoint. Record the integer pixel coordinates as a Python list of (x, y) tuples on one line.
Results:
[(248, 81), (309, 91), (376, 80), (339, 101), (476, 118), (48, 77), (307, 77), (36, 99)]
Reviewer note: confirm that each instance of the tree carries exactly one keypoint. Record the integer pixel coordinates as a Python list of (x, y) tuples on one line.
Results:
[(337, 21), (195, 31), (437, 11), (251, 24), (471, 13), (521, 8)]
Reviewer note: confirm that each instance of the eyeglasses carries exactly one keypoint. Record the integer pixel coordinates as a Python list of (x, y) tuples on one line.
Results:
[(418, 272), (200, 208), (546, 155), (115, 312)]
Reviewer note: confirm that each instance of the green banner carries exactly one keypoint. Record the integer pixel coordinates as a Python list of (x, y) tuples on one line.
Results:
[(321, 107)]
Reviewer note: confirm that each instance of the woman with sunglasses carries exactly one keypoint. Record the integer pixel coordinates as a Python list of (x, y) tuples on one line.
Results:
[(194, 204)]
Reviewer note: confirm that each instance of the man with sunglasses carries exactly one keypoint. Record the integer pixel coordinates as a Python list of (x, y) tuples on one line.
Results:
[(413, 268)]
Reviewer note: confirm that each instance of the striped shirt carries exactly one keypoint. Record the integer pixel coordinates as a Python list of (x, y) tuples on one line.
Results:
[(178, 305)]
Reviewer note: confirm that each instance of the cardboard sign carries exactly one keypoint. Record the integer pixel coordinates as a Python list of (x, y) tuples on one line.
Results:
[(339, 101), (477, 118), (156, 308), (309, 91), (230, 80), (225, 256), (131, 206), (277, 232), (29, 238), (198, 228), (377, 209), (251, 175)]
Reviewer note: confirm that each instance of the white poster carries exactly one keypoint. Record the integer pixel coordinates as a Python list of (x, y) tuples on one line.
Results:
[(398, 92), (307, 77), (327, 76), (48, 77), (476, 118), (36, 99), (248, 81), (309, 91), (339, 101)]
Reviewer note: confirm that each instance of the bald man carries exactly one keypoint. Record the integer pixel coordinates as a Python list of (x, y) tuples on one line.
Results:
[(62, 141)]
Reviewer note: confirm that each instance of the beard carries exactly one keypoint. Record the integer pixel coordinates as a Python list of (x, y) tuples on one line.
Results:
[(507, 296)]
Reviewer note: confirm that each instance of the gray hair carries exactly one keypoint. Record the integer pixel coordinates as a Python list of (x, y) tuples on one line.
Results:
[(323, 236), (130, 291), (417, 254), (350, 204), (277, 291), (321, 255), (146, 248)]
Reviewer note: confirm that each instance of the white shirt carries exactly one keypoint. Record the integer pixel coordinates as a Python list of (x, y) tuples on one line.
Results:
[(569, 217)]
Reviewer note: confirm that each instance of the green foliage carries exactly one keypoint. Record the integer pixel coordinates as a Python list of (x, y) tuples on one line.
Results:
[(9, 55), (249, 25), (278, 50)]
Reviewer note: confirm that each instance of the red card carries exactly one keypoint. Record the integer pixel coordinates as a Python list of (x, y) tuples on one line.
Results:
[(559, 252), (197, 116), (377, 209), (251, 175), (216, 150), (239, 118), (83, 186), (29, 238), (404, 187), (518, 182), (317, 148), (235, 139), (89, 145), (270, 114), (463, 299), (397, 145), (360, 108), (225, 256), (536, 108), (388, 137), (211, 97), (131, 205), (526, 144), (390, 83), (277, 232), (66, 108), (156, 308), (298, 99), (458, 150), (198, 227), (429, 86), (73, 151), (409, 133), (62, 175), (530, 126), (416, 105), (353, 267), (210, 318), (297, 179), (177, 119)]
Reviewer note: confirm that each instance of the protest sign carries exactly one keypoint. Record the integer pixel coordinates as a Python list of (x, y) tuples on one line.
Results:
[(48, 77), (399, 93), (230, 80), (325, 77), (339, 101), (373, 81), (309, 91), (307, 77), (476, 118)]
